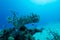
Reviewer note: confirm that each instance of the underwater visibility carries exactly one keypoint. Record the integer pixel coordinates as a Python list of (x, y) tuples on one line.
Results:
[(29, 19)]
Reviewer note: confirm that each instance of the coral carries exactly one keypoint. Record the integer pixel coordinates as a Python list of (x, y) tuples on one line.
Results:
[(10, 38), (19, 31), (19, 21), (1, 33), (56, 36)]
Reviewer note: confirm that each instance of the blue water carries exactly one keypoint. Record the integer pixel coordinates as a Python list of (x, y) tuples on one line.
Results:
[(49, 13)]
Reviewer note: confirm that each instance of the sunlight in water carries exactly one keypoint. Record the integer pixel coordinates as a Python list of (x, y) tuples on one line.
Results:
[(42, 2)]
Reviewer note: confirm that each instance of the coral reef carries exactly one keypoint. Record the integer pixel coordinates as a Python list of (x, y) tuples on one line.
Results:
[(46, 35), (10, 38), (19, 21), (56, 36), (21, 32)]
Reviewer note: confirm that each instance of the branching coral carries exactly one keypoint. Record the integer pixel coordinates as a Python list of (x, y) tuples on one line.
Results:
[(19, 31), (17, 22)]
